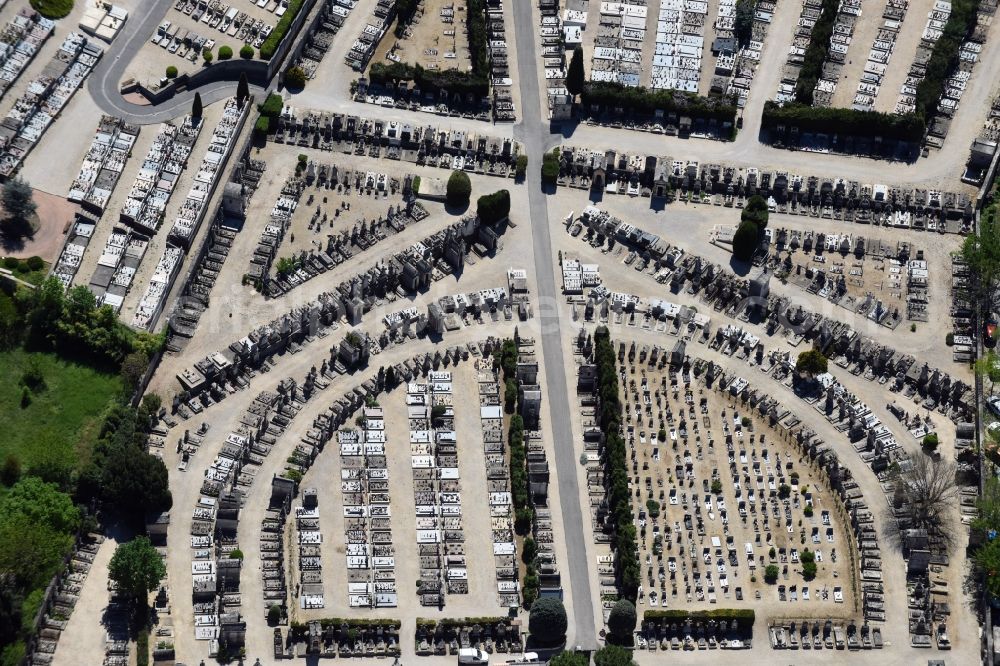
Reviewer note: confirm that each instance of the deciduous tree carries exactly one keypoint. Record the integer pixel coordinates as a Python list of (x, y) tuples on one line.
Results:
[(137, 568)]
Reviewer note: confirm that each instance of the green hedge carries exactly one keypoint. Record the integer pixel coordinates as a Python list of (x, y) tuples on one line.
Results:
[(550, 167), (608, 95), (142, 648), (905, 127), (270, 45), (816, 52), (328, 622), (745, 617), (944, 57), (451, 80), (616, 470), (485, 621)]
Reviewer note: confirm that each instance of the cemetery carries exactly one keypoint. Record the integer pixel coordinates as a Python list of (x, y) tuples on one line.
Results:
[(690, 181), (45, 97), (699, 524), (20, 40), (436, 36), (103, 164), (404, 142), (402, 417), (480, 88), (320, 39)]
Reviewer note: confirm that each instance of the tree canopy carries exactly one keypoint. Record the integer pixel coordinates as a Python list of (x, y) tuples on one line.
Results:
[(459, 189), (295, 77), (19, 206), (987, 525), (981, 251), (569, 658), (987, 560), (575, 77), (743, 22), (492, 208), (547, 621), (613, 655), (745, 240), (755, 211), (137, 568), (622, 620), (811, 362), (42, 504), (243, 87), (71, 323), (121, 472), (37, 521)]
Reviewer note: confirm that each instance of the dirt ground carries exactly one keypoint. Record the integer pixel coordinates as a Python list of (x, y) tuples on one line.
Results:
[(54, 216), (731, 498), (436, 38), (882, 277), (342, 208)]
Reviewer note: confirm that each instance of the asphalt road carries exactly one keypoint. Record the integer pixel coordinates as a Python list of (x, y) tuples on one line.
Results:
[(103, 81), (533, 133)]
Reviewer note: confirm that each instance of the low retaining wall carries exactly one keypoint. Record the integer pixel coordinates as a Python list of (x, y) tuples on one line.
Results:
[(258, 72)]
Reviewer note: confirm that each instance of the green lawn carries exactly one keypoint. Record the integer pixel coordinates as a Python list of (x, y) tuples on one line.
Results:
[(61, 423), (21, 269), (53, 9)]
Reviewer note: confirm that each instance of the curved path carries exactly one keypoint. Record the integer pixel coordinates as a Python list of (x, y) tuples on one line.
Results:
[(942, 170), (103, 81)]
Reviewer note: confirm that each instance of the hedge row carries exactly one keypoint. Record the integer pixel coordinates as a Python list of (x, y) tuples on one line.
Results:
[(816, 52), (903, 127), (270, 45), (523, 514), (550, 167), (745, 617), (486, 621), (944, 57), (645, 101), (452, 81), (616, 474), (355, 622)]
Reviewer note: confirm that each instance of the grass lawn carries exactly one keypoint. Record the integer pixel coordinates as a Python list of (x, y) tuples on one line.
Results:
[(62, 421), (53, 9), (22, 269)]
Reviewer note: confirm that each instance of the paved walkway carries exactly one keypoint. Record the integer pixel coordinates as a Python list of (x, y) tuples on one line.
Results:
[(103, 83), (534, 135), (82, 642)]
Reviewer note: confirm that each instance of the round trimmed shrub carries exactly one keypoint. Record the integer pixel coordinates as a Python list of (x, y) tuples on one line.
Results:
[(622, 620), (225, 52), (171, 72), (35, 263), (459, 189), (246, 52), (295, 77), (547, 621)]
